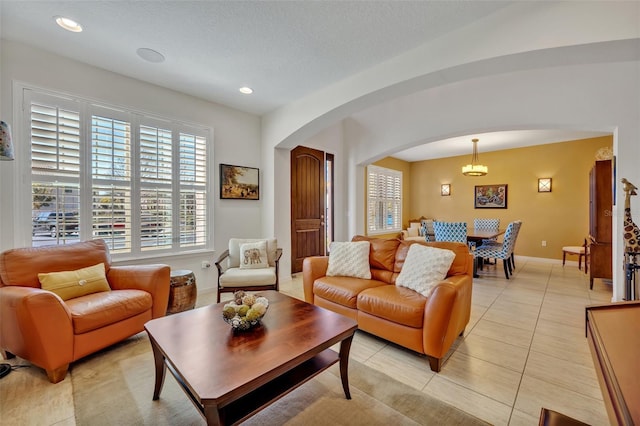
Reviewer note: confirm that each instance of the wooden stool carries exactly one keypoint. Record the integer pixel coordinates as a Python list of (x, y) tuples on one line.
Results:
[(578, 250), (183, 292)]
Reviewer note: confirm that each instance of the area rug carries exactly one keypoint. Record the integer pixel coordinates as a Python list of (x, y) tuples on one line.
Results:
[(115, 387)]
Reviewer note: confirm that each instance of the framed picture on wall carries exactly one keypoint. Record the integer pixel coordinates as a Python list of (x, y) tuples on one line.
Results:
[(490, 196), (239, 182)]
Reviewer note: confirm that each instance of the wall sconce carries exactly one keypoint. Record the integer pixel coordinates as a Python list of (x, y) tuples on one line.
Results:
[(544, 185), (445, 189)]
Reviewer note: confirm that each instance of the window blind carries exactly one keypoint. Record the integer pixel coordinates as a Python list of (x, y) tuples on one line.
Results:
[(384, 200)]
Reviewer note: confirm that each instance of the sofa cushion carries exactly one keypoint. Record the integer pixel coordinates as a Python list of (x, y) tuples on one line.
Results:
[(233, 261), (236, 277), (254, 255), (459, 265), (70, 284), (397, 304), (343, 290), (52, 258), (349, 259), (382, 253), (424, 267), (98, 310)]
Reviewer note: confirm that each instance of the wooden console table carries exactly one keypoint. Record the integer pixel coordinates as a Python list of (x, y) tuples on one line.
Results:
[(613, 332)]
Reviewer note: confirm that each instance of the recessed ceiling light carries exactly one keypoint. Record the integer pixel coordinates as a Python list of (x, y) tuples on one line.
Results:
[(150, 55), (68, 24), (246, 90)]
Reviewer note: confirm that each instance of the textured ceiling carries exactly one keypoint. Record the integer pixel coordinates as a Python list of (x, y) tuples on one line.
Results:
[(284, 50)]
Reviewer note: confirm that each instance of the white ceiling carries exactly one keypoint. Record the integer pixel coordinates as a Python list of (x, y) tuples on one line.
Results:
[(284, 50), (493, 141)]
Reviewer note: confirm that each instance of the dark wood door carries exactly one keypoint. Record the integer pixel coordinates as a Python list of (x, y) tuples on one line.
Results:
[(307, 205)]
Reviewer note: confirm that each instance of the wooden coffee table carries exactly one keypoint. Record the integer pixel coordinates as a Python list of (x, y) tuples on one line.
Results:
[(229, 376)]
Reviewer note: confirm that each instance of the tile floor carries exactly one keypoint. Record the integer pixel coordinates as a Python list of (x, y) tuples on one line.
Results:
[(523, 349)]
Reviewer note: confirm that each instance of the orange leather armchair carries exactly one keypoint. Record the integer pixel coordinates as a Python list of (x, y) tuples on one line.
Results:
[(39, 326)]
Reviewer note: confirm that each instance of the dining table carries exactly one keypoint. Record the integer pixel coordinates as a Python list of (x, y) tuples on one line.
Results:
[(477, 236)]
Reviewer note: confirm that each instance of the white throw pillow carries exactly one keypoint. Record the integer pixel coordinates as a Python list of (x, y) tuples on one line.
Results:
[(413, 231), (349, 259), (254, 255), (424, 267)]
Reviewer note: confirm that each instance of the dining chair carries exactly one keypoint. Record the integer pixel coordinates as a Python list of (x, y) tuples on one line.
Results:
[(450, 231), (426, 226), (579, 251), (515, 240), (503, 251), (487, 225)]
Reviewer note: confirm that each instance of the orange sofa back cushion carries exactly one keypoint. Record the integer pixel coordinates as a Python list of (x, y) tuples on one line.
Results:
[(22, 266), (386, 256)]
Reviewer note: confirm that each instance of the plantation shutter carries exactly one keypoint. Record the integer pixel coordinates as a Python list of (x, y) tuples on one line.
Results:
[(55, 169), (137, 181), (156, 193), (384, 200), (111, 180), (193, 195)]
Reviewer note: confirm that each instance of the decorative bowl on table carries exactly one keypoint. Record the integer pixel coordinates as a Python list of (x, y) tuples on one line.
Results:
[(245, 311)]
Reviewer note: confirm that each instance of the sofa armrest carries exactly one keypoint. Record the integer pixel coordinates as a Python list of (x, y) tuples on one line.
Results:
[(446, 314), (36, 325), (154, 279), (313, 268)]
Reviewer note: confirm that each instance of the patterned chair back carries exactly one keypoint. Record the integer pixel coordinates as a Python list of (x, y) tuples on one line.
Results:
[(426, 229), (486, 224), (516, 231), (450, 231), (508, 243), (502, 251)]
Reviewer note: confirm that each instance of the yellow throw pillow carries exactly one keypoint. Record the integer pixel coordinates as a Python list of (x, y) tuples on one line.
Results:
[(70, 284)]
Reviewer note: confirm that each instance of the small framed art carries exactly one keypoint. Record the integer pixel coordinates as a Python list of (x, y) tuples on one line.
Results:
[(490, 196), (239, 182)]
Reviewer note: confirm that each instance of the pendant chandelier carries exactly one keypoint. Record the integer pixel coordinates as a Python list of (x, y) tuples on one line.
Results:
[(475, 168)]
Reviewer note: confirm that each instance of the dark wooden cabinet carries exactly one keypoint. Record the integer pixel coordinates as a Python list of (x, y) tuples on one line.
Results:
[(613, 333), (600, 212)]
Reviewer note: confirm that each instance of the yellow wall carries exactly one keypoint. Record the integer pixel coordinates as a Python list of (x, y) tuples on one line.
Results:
[(560, 217)]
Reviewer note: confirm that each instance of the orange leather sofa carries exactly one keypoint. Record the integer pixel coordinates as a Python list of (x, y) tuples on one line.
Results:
[(39, 326), (398, 314)]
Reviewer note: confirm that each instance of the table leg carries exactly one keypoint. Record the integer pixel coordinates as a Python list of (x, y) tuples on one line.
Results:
[(345, 346), (475, 267), (212, 415), (161, 368)]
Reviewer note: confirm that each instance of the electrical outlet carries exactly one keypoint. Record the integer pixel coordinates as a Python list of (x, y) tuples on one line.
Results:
[(544, 243), (206, 264)]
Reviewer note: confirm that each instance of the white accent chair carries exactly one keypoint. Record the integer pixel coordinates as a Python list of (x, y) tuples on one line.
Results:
[(232, 277)]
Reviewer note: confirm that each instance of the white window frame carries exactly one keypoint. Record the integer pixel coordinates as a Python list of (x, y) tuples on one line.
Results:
[(86, 107), (384, 202)]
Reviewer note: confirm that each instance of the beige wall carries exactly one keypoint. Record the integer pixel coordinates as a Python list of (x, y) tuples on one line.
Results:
[(560, 218)]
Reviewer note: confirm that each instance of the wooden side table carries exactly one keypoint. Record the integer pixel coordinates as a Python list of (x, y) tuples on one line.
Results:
[(183, 292)]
